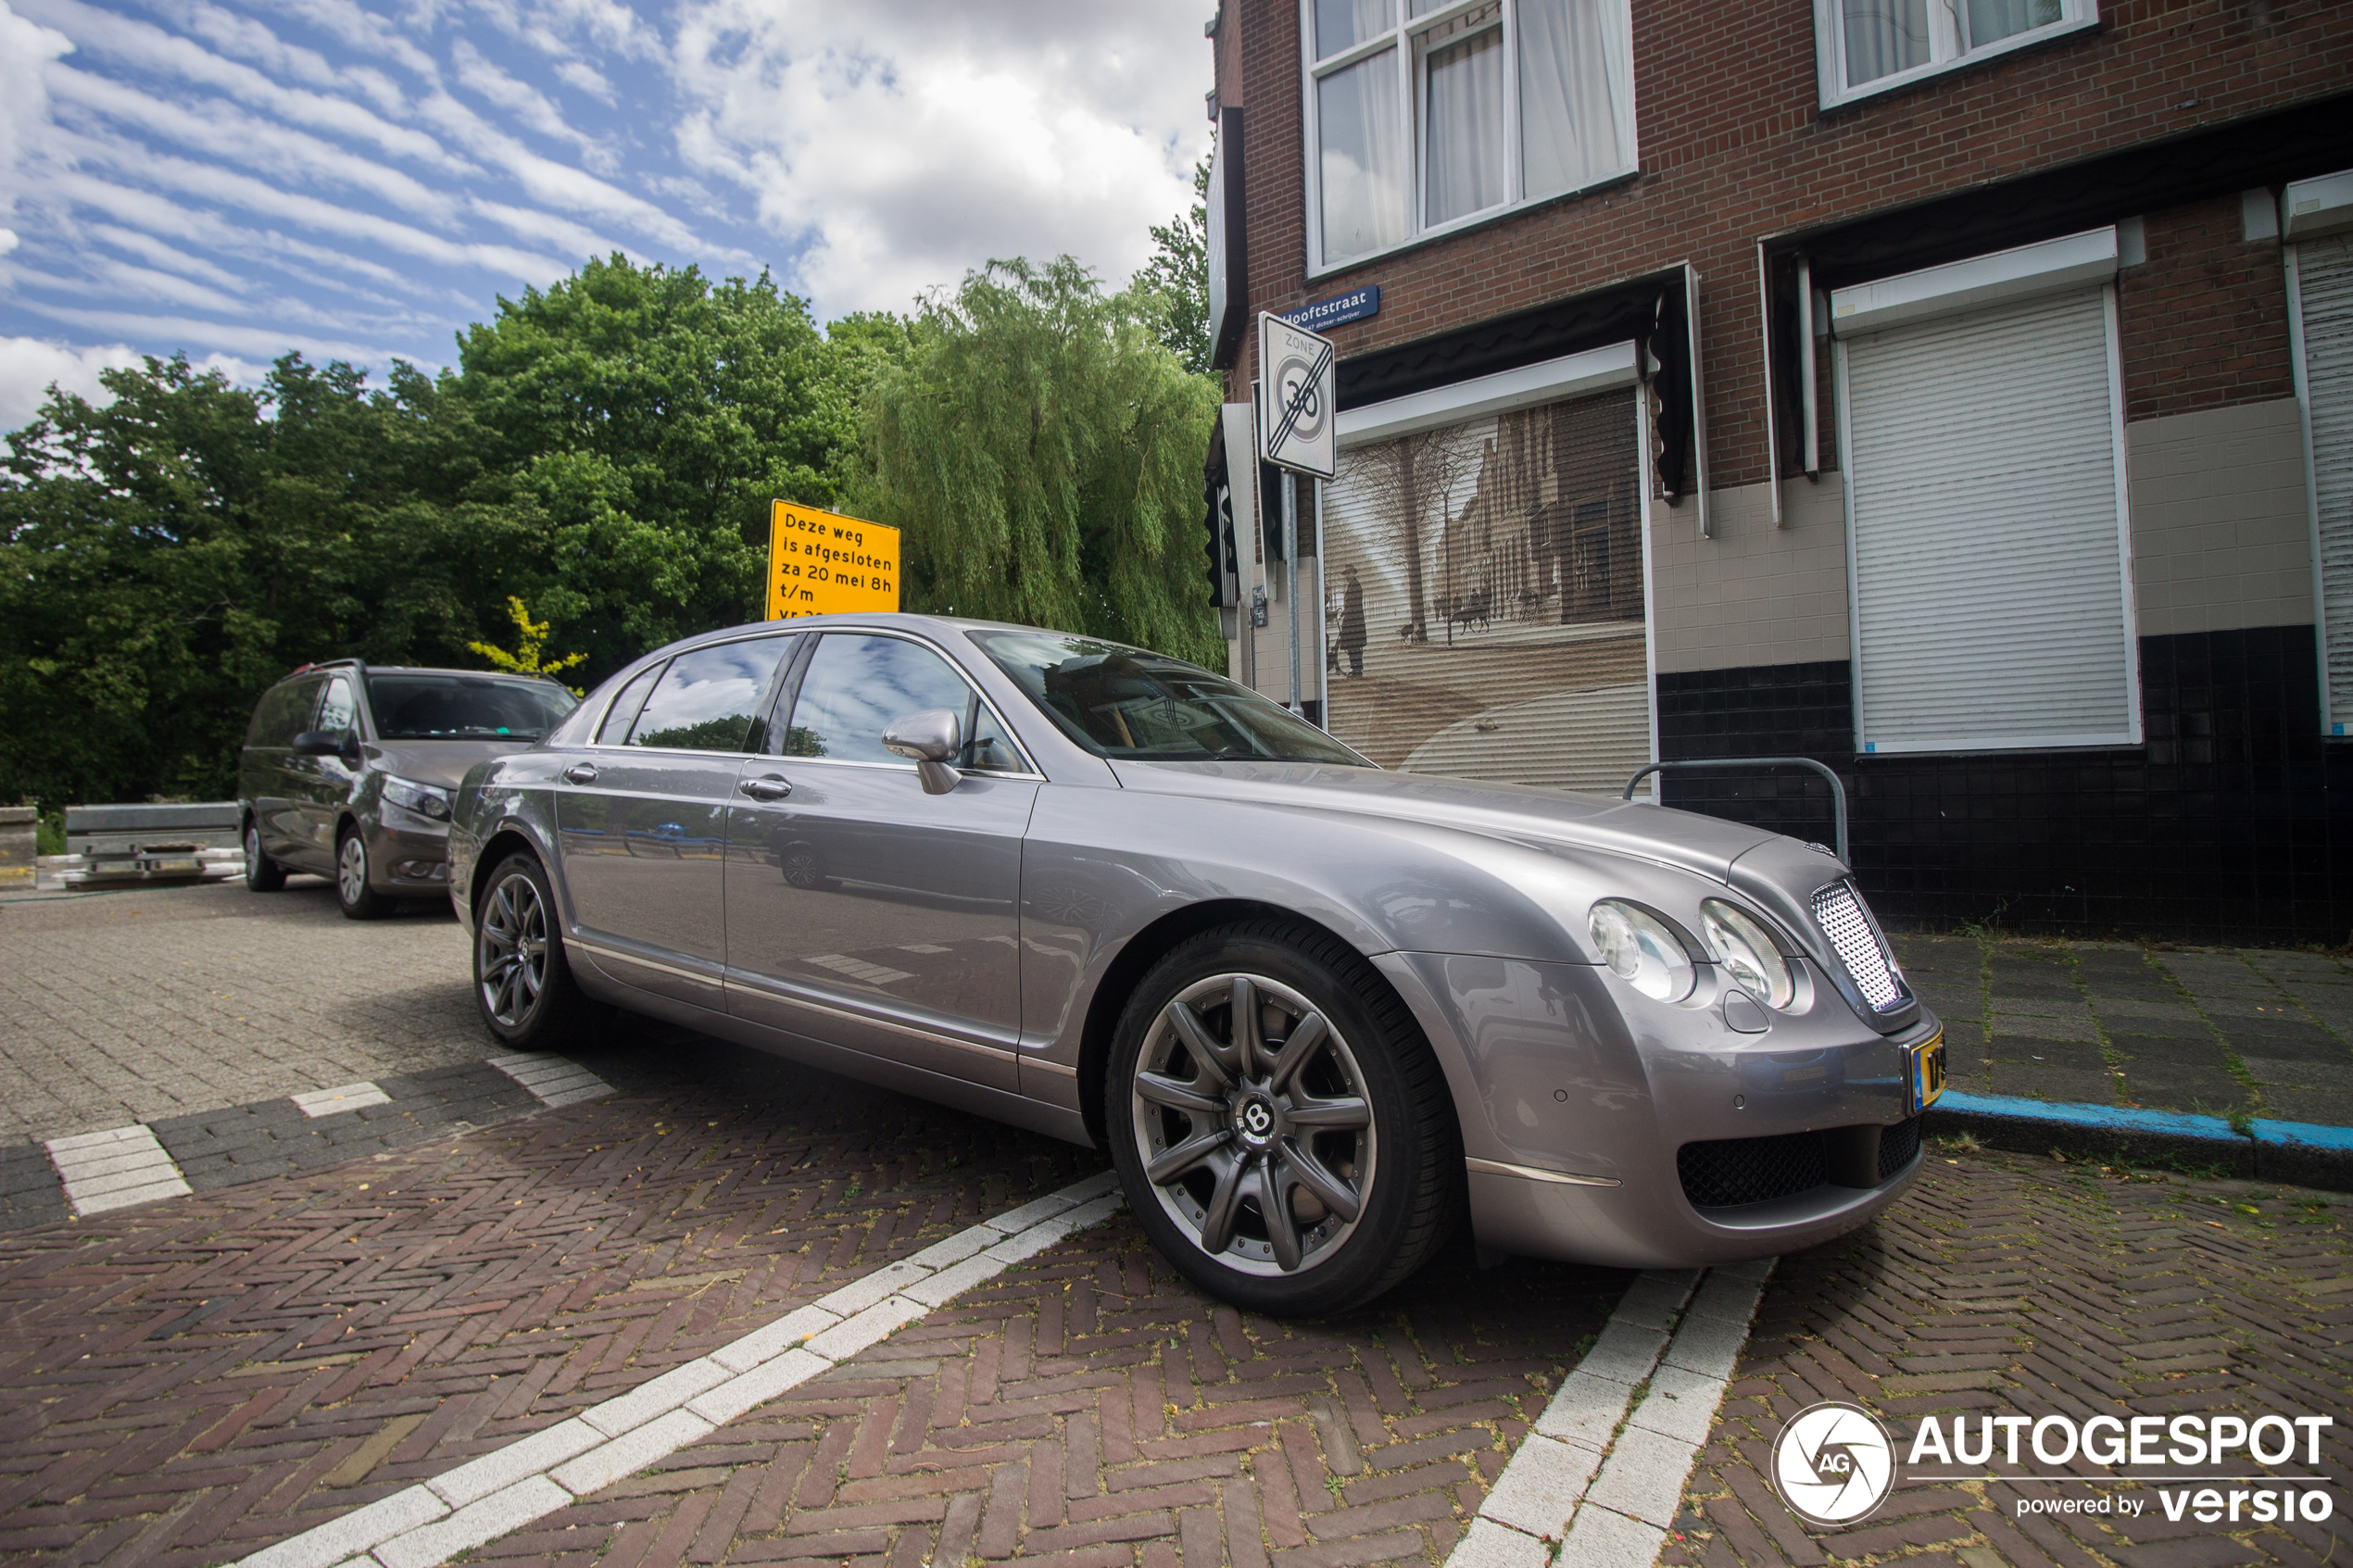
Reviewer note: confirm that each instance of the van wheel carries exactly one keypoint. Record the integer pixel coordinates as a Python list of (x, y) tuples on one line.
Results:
[(359, 901), (522, 981), (262, 873), (1280, 1122)]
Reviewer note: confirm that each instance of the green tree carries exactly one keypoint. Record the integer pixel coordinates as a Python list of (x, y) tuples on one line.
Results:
[(1040, 448), (637, 422), (1178, 273)]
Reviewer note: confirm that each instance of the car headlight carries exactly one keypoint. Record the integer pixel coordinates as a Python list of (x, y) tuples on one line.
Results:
[(1641, 951), (426, 800), (1747, 953)]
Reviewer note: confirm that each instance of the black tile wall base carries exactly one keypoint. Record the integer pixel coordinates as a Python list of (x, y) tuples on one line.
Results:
[(2234, 822)]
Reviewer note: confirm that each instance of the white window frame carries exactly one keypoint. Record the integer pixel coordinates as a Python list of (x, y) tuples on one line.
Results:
[(1945, 51), (1405, 39)]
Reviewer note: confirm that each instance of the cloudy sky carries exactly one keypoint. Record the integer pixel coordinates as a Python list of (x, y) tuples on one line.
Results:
[(358, 178)]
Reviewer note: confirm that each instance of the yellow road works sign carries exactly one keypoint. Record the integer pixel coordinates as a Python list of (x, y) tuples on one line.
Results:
[(823, 563)]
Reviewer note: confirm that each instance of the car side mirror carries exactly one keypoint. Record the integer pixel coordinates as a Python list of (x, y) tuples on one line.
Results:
[(344, 744), (928, 739)]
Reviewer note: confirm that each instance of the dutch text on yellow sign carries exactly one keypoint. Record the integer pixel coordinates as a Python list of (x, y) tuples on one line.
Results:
[(823, 563)]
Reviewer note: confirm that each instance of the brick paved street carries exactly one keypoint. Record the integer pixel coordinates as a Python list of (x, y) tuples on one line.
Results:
[(189, 1380), (2016, 1285), (137, 1006)]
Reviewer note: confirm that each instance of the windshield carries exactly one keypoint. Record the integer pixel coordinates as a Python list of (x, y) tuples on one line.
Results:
[(426, 707), (1132, 705)]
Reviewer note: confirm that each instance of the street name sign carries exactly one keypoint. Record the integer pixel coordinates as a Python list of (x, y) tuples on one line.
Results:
[(823, 563), (1299, 425)]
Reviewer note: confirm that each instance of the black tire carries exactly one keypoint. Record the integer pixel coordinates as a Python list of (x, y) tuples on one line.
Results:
[(353, 894), (1360, 1115), (262, 873), (523, 981)]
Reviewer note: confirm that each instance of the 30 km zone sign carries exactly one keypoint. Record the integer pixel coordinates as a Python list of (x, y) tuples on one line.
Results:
[(823, 563), (1299, 424)]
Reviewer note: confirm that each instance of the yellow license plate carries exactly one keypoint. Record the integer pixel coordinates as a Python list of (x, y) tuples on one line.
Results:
[(1927, 1071)]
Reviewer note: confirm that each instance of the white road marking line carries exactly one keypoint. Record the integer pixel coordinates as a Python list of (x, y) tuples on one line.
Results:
[(1606, 1492), (329, 1102), (552, 1079), (503, 1490), (115, 1169)]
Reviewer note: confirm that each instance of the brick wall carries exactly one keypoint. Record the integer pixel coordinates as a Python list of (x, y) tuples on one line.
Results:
[(1733, 148)]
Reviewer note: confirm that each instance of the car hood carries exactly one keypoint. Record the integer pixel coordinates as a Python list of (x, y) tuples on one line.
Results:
[(442, 763), (1520, 813)]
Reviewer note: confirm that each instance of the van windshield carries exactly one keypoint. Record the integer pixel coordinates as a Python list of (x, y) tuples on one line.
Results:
[(435, 707), (1134, 705)]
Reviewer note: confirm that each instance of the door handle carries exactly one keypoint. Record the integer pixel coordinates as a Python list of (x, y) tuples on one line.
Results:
[(769, 787), (581, 774)]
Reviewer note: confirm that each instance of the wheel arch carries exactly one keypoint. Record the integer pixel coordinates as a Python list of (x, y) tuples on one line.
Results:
[(494, 849), (1147, 947)]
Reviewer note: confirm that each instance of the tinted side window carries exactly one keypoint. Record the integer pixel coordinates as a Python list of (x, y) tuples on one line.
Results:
[(283, 713), (624, 711), (708, 699), (855, 686), (336, 710)]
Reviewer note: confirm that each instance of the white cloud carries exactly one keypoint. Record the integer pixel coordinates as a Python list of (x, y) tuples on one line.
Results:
[(560, 185), (259, 343), (184, 176), (220, 130), (907, 142), (25, 50), (28, 365), (150, 48), (530, 106), (585, 77)]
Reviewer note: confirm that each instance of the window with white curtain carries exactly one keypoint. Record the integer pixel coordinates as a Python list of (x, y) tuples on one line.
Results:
[(1868, 46), (1423, 115)]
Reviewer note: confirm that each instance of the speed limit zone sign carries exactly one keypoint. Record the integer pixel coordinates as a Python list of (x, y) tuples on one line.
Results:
[(1298, 427)]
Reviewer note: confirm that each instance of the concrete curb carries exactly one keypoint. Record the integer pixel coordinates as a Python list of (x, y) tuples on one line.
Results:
[(2298, 1153)]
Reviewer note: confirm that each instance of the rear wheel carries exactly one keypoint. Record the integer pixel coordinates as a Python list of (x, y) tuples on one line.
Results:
[(360, 900), (262, 873), (1280, 1122), (522, 981)]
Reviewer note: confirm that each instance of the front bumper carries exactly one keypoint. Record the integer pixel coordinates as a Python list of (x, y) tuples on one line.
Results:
[(1576, 1095), (408, 853)]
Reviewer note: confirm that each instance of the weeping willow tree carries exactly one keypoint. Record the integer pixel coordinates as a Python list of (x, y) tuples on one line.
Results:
[(1041, 450)]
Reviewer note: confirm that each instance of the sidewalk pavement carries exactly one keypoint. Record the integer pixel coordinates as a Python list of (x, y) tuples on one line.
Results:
[(2248, 1053)]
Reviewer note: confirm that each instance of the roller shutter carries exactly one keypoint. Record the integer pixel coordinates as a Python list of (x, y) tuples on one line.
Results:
[(1496, 625), (2324, 284), (1990, 579)]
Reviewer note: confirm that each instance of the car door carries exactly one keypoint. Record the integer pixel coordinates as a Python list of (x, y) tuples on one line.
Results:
[(861, 911), (641, 818), (323, 784), (278, 778)]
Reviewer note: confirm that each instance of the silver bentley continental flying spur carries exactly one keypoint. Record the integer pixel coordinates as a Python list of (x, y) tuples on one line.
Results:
[(1319, 1013)]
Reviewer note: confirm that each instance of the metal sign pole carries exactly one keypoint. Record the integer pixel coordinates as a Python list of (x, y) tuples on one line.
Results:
[(1290, 577), (1323, 631)]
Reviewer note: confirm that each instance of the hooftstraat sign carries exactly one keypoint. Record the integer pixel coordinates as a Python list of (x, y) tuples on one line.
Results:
[(823, 563)]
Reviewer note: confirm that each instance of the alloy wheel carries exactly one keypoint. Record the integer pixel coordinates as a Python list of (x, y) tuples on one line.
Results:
[(351, 870), (511, 951), (253, 845), (1255, 1124)]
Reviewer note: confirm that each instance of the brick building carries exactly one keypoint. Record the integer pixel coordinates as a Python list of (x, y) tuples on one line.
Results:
[(1956, 391)]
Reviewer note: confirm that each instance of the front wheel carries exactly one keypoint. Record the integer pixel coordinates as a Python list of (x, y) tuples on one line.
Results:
[(1281, 1125), (522, 981), (358, 900)]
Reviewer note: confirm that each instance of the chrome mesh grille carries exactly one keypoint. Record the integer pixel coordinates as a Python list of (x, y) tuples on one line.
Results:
[(1840, 914)]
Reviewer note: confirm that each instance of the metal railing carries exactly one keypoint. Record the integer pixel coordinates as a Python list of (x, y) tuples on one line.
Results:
[(1838, 790)]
